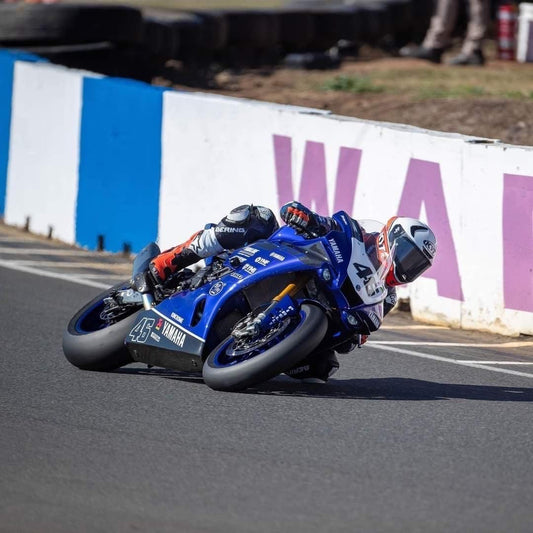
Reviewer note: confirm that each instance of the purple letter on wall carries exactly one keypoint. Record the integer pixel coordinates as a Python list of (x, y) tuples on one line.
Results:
[(423, 185), (518, 242), (313, 185)]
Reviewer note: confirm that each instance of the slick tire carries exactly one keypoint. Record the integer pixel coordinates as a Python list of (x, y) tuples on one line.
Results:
[(303, 339), (252, 28), (89, 348), (69, 23), (297, 29)]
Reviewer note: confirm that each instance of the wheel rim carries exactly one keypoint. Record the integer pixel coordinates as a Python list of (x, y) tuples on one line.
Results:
[(95, 317), (235, 351), (91, 319)]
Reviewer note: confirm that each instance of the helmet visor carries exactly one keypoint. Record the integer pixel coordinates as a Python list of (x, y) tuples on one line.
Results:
[(409, 261)]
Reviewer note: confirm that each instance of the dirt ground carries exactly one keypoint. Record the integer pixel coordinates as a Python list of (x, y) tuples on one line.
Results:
[(494, 101)]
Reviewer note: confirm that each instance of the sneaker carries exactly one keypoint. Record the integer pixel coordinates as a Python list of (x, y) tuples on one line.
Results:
[(476, 58), (315, 368), (420, 52)]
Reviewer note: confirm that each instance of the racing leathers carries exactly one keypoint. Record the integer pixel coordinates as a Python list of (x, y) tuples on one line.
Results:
[(243, 225)]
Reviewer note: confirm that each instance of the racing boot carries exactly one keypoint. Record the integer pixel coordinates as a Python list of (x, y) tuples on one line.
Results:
[(174, 259), (315, 368)]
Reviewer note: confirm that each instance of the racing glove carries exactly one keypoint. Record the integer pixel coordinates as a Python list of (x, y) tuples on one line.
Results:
[(299, 217)]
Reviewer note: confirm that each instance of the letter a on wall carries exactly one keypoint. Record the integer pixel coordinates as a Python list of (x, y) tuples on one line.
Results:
[(423, 185)]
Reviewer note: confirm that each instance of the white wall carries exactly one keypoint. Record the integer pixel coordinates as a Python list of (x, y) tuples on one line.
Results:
[(42, 180)]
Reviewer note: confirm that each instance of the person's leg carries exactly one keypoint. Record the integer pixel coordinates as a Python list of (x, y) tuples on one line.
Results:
[(471, 51), (477, 26), (438, 36), (442, 24), (243, 225)]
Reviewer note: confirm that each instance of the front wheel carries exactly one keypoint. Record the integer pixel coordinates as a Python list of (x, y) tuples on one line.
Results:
[(236, 364), (93, 342)]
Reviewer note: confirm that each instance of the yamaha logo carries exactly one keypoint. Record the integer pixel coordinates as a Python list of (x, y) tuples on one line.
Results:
[(216, 288)]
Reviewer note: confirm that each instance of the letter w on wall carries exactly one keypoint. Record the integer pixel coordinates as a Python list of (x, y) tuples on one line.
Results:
[(313, 185)]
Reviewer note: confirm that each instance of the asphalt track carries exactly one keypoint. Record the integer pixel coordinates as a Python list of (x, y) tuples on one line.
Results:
[(407, 437)]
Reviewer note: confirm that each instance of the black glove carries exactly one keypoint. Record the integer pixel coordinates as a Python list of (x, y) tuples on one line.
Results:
[(297, 216)]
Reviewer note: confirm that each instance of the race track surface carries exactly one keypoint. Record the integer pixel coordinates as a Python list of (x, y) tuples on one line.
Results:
[(411, 435)]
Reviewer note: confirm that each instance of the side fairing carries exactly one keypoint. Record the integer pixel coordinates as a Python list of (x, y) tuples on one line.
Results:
[(182, 322), (154, 328)]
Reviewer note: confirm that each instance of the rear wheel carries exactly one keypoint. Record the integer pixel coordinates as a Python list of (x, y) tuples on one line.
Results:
[(239, 363), (94, 337)]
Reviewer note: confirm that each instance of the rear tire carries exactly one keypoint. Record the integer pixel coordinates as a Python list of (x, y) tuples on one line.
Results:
[(221, 373), (90, 345), (69, 24)]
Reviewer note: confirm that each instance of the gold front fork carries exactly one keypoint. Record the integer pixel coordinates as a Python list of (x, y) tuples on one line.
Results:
[(291, 289)]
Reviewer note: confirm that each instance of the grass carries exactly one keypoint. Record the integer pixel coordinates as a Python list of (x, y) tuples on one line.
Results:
[(430, 82), (352, 84)]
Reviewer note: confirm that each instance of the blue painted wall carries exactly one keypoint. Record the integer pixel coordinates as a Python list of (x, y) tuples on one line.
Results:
[(7, 63), (120, 163)]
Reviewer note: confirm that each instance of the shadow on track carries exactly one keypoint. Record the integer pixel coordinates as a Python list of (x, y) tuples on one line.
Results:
[(404, 389)]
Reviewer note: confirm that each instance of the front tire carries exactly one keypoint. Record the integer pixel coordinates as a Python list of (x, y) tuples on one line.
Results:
[(229, 369), (90, 344)]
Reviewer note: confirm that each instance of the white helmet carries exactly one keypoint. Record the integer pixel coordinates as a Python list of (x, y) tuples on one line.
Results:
[(413, 246)]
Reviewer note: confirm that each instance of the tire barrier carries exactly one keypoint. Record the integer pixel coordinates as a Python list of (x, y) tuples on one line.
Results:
[(296, 30), (58, 24), (95, 36), (253, 38)]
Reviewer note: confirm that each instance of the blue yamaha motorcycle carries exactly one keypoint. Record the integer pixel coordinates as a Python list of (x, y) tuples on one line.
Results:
[(246, 316)]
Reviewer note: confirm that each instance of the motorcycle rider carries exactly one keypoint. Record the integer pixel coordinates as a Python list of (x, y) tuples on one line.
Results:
[(414, 249)]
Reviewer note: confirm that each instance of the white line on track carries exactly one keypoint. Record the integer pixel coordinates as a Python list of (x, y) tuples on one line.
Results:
[(417, 326), (69, 264), (449, 360), (495, 362), (510, 344), (55, 275), (48, 251)]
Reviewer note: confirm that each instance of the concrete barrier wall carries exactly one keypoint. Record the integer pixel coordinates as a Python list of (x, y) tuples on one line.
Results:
[(134, 163), (83, 155)]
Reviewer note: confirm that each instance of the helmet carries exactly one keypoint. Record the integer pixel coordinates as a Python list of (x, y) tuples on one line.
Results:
[(412, 245)]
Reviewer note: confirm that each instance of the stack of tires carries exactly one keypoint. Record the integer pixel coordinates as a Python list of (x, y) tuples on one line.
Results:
[(125, 41), (97, 37)]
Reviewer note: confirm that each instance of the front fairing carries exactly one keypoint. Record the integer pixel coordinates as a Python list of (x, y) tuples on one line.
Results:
[(182, 321), (361, 277)]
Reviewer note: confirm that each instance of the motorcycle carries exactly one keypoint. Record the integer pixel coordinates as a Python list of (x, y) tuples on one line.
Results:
[(247, 315)]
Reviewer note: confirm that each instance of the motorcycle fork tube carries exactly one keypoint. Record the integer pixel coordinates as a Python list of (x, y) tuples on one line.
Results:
[(148, 301), (291, 289)]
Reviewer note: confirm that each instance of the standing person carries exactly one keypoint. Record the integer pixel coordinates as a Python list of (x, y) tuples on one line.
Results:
[(438, 36)]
